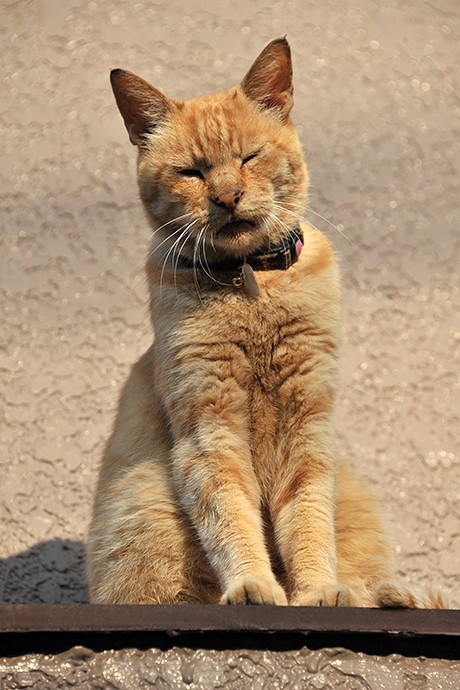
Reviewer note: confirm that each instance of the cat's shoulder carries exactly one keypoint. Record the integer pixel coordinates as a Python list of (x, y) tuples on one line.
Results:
[(317, 255), (315, 271)]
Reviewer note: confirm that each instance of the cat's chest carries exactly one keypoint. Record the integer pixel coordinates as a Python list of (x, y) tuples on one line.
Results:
[(260, 343), (270, 344), (267, 338)]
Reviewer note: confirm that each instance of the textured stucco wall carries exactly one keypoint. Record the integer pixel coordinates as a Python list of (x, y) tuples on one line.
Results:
[(377, 106)]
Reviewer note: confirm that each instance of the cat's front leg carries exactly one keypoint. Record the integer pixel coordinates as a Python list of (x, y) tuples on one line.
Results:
[(303, 507), (218, 490)]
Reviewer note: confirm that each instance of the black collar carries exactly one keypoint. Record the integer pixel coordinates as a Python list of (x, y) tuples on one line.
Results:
[(279, 258)]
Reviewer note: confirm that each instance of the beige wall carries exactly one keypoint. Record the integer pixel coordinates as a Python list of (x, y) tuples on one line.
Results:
[(377, 107)]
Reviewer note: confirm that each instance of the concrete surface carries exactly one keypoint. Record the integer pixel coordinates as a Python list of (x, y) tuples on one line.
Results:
[(377, 105), (187, 669)]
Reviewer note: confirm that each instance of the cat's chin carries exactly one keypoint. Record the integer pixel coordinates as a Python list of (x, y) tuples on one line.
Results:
[(238, 238), (235, 228)]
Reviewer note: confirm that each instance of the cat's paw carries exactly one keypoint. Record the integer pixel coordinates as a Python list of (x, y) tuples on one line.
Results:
[(255, 589), (397, 594), (328, 595)]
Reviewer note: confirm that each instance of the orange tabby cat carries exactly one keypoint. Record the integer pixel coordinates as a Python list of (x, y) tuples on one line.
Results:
[(219, 482)]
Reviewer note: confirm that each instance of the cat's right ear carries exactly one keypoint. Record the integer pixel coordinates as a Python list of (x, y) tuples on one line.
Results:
[(141, 105)]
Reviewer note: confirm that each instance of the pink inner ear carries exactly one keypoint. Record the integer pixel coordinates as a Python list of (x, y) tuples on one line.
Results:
[(298, 247)]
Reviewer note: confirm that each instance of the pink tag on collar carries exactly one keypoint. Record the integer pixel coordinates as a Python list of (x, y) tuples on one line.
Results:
[(298, 248)]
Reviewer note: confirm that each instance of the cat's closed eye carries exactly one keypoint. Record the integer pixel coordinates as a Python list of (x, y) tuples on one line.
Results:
[(249, 158), (191, 172)]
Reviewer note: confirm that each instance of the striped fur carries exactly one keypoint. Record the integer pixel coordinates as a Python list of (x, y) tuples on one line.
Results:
[(219, 482)]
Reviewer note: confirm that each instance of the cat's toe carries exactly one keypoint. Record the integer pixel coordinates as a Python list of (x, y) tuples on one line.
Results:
[(255, 589), (328, 595)]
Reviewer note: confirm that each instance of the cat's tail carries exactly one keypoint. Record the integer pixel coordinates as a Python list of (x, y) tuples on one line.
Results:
[(398, 594)]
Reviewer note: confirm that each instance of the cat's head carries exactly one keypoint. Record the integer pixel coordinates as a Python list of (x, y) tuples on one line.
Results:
[(223, 174)]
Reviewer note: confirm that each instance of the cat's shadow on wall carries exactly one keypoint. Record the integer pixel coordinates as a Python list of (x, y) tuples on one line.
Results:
[(50, 572)]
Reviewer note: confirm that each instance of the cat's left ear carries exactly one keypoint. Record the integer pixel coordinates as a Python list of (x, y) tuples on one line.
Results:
[(269, 81)]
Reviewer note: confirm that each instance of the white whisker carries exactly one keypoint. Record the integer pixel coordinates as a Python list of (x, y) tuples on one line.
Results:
[(195, 274), (171, 249), (177, 259), (165, 260), (208, 272), (309, 208), (166, 239), (173, 220), (313, 225), (212, 241), (302, 218), (284, 226), (270, 225)]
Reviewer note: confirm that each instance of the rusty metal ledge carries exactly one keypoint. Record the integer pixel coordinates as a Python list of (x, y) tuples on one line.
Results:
[(93, 617), (43, 627)]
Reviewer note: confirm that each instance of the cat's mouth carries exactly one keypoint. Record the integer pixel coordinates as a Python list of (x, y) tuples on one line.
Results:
[(236, 227)]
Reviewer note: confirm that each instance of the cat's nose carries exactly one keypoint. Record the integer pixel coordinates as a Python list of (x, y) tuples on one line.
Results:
[(227, 200)]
